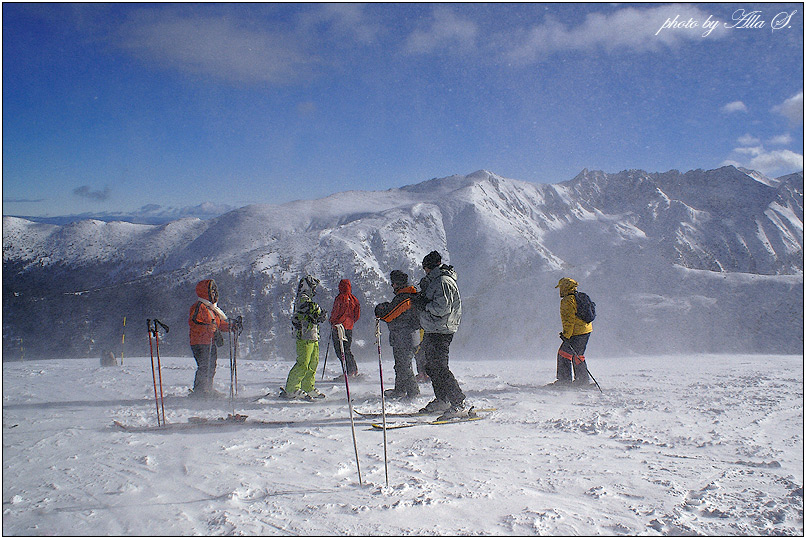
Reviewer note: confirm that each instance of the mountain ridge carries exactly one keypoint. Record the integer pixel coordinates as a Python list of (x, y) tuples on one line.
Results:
[(633, 245)]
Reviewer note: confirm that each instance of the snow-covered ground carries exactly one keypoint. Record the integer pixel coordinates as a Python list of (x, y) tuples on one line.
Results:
[(674, 445)]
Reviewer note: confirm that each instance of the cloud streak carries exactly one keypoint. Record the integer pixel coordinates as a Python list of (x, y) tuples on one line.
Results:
[(628, 29), (218, 47), (446, 30), (85, 191), (791, 109)]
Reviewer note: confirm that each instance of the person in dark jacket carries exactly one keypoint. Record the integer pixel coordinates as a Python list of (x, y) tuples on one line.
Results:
[(440, 310), (404, 334), (346, 311), (206, 321)]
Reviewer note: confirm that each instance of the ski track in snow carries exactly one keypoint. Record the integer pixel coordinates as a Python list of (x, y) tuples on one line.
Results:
[(675, 445)]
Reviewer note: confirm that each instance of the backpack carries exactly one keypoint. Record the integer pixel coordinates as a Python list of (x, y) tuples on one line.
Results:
[(586, 308)]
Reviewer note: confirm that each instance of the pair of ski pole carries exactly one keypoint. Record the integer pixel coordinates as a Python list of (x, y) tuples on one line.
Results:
[(153, 330), (340, 333), (236, 327)]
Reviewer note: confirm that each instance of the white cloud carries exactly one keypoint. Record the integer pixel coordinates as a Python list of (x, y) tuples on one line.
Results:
[(220, 47), (781, 140), (446, 30), (792, 109), (748, 140), (769, 162), (777, 160), (735, 106), (347, 20), (628, 28)]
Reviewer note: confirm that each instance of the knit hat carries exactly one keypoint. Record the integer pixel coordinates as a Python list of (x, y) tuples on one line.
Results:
[(399, 278), (432, 260)]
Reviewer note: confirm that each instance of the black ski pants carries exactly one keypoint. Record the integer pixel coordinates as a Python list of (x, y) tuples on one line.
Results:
[(352, 367), (566, 360), (446, 388), (404, 374), (206, 356)]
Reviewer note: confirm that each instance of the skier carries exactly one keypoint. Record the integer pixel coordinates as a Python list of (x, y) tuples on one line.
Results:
[(440, 309), (575, 335), (346, 311), (306, 319), (404, 329), (206, 323)]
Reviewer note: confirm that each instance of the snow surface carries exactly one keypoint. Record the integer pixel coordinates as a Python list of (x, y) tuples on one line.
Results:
[(687, 444)]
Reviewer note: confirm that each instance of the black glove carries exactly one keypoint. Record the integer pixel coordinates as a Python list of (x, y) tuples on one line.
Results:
[(420, 301), (237, 324)]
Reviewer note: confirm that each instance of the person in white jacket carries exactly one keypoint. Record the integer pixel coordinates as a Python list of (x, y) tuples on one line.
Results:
[(440, 307)]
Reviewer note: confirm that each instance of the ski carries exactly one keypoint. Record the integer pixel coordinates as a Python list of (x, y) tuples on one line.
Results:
[(230, 421), (193, 422), (553, 386), (379, 426), (281, 397), (372, 415)]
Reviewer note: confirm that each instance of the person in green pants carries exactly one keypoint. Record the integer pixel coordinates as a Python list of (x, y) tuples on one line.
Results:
[(306, 319)]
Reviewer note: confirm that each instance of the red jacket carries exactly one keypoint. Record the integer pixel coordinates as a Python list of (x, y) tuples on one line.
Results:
[(204, 320), (346, 309)]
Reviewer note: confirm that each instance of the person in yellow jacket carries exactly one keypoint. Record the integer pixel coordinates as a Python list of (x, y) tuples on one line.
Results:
[(575, 335)]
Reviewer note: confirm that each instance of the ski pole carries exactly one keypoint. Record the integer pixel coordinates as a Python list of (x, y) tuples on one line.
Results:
[(586, 365), (340, 330), (327, 351), (231, 373), (238, 331), (159, 365), (383, 399), (153, 373), (123, 342)]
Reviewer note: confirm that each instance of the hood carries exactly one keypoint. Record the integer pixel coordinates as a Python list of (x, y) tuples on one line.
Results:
[(307, 286), (566, 286), (345, 287), (208, 290), (446, 270)]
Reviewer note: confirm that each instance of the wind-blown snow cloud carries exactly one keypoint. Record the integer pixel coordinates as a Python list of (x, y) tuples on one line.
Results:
[(86, 192), (735, 106), (629, 29), (447, 29)]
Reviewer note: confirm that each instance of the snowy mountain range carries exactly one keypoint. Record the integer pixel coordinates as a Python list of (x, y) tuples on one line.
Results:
[(707, 261)]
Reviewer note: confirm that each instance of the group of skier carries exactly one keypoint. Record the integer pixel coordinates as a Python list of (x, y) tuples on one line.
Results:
[(419, 322)]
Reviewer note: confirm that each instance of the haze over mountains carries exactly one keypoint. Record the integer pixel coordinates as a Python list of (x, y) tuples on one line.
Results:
[(702, 261)]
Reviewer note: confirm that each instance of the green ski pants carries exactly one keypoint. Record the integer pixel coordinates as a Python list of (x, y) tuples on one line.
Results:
[(303, 373)]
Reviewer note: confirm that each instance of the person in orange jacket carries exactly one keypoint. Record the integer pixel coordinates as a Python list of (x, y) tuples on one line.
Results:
[(403, 321), (206, 323), (346, 311)]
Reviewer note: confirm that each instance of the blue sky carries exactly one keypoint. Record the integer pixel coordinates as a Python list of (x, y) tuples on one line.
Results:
[(177, 109)]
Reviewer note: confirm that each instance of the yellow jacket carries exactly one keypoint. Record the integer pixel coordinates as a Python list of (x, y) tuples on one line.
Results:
[(568, 310)]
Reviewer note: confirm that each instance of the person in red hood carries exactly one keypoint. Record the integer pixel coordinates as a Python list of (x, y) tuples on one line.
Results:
[(346, 311), (206, 321)]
